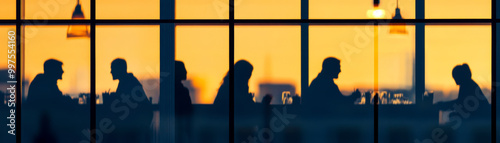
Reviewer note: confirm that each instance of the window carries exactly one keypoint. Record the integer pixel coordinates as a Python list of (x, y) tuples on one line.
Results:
[(8, 9), (262, 9), (276, 59), (43, 10), (204, 51), (50, 42), (461, 9), (117, 9)]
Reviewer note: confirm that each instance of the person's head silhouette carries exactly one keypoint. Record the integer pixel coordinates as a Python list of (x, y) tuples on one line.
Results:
[(461, 74), (180, 71), (331, 67), (242, 71), (53, 68), (118, 68)]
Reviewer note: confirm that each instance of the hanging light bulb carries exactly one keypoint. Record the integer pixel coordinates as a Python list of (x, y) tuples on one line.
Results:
[(397, 28), (376, 12), (77, 30)]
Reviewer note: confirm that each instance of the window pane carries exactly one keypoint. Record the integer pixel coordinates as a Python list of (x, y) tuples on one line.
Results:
[(451, 46), (447, 47), (204, 50), (8, 9), (272, 55), (56, 105), (358, 9), (202, 9), (275, 57), (61, 9), (129, 9), (352, 45), (265, 9), (344, 116), (458, 9), (396, 55), (206, 60), (138, 47), (400, 119)]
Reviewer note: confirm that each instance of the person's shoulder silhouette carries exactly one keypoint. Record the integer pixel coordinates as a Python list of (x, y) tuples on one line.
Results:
[(323, 91), (128, 84), (468, 87), (183, 105), (242, 73), (127, 81), (43, 88), (131, 93)]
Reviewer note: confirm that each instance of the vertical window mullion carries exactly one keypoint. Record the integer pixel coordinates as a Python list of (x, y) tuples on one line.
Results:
[(304, 62), (167, 73), (231, 72), (493, 69), (19, 57), (92, 71)]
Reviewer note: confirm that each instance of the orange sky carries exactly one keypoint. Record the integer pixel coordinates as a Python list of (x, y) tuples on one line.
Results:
[(356, 9), (338, 41), (274, 52), (8, 9), (448, 46), (127, 9), (139, 45), (54, 9), (202, 9), (205, 53), (248, 9), (267, 9), (278, 46), (458, 9), (353, 45), (51, 42)]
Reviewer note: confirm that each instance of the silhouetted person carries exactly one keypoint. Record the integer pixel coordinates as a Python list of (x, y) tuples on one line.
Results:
[(468, 89), (242, 73), (266, 101), (323, 92), (130, 96), (244, 106), (47, 107), (43, 91), (183, 106)]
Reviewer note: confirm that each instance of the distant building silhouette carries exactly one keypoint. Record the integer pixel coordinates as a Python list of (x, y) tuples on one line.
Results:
[(274, 90)]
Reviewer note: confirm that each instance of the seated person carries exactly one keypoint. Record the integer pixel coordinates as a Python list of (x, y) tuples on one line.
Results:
[(469, 90), (324, 93)]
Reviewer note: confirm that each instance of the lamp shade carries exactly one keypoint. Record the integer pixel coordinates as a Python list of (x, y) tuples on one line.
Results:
[(78, 30), (397, 28)]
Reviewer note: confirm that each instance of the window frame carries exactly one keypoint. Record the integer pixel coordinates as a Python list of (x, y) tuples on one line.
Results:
[(168, 22)]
